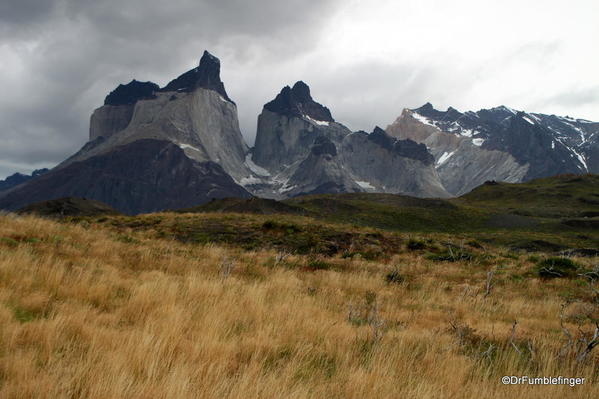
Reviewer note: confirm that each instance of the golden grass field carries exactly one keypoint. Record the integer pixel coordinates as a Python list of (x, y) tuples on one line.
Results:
[(84, 314)]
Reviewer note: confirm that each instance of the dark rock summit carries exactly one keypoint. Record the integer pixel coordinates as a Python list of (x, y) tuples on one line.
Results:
[(404, 148), (298, 102), (131, 93), (206, 76)]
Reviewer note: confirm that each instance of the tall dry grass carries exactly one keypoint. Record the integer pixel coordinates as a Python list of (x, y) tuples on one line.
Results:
[(87, 314)]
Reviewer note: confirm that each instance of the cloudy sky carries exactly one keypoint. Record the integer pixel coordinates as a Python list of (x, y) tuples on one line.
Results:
[(365, 60)]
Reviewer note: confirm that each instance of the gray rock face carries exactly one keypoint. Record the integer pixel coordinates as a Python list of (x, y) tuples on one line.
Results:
[(300, 149), (388, 169), (499, 144), (108, 120)]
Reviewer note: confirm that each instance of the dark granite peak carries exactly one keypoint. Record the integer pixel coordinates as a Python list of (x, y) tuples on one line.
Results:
[(429, 111), (380, 137), (404, 148), (131, 93), (297, 101), (411, 149), (205, 76), (426, 107)]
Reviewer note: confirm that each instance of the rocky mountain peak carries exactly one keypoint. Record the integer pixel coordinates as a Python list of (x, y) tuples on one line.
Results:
[(429, 111), (131, 92), (426, 107), (206, 76), (297, 101), (380, 137)]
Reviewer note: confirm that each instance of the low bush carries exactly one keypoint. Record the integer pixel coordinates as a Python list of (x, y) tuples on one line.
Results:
[(556, 267), (415, 245)]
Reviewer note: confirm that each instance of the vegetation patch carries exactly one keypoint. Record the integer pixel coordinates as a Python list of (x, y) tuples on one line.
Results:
[(556, 267), (452, 254)]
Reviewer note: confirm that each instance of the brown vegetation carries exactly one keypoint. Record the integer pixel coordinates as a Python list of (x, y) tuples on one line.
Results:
[(88, 312)]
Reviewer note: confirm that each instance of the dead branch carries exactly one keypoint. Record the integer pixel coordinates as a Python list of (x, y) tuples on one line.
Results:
[(512, 336)]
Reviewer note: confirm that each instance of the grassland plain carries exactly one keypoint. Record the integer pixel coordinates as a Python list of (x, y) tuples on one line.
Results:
[(230, 305)]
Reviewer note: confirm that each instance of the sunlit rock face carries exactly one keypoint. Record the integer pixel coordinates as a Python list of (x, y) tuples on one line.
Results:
[(499, 144)]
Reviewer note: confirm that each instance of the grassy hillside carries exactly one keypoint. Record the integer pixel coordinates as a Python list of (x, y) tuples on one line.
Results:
[(346, 296), (87, 313), (547, 214)]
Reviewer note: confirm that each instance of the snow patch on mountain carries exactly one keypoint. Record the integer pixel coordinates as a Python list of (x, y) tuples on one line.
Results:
[(255, 168), (188, 147), (247, 181), (366, 185), (423, 119), (314, 121), (443, 158)]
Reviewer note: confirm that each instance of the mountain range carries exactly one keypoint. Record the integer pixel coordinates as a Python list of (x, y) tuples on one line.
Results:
[(153, 148)]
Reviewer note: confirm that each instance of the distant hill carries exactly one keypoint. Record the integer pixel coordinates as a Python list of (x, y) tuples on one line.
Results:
[(544, 214), (68, 207)]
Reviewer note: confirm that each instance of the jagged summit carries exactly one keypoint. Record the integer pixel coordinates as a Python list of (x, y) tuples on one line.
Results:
[(297, 101), (206, 76), (429, 111), (131, 93)]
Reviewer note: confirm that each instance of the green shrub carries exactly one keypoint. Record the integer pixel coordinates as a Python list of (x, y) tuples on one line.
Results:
[(556, 268)]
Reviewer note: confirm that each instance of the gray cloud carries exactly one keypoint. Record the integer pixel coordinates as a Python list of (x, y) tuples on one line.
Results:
[(364, 60)]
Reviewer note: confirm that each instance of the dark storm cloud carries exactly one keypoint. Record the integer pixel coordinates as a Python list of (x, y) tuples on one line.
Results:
[(24, 12), (62, 57)]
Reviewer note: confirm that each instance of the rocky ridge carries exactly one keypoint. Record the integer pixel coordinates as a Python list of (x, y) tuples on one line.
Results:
[(499, 144)]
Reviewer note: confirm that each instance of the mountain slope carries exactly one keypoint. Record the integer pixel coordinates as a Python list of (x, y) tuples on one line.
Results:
[(143, 176)]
